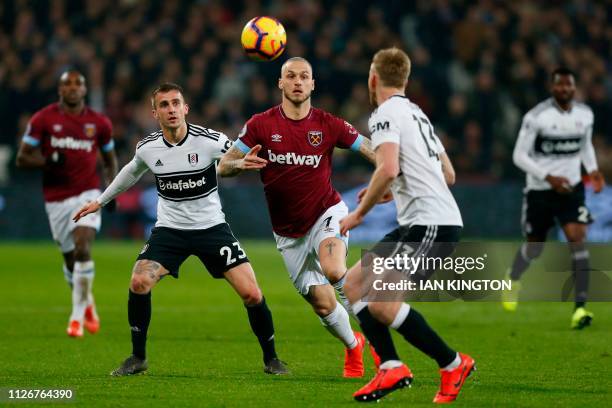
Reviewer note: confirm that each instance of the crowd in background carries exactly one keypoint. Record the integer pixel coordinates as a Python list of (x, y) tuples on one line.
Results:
[(477, 67)]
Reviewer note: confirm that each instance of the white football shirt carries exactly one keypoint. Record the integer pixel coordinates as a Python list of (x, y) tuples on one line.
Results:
[(554, 142), (420, 191), (185, 177)]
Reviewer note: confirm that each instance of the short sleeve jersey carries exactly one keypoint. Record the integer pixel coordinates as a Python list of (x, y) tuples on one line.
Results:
[(421, 194), (78, 138), (185, 176), (297, 179)]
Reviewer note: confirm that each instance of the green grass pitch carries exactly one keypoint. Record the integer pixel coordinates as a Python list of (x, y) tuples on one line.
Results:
[(202, 353)]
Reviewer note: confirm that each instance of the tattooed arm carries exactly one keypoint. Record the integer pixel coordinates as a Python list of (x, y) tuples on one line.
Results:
[(234, 161), (365, 148)]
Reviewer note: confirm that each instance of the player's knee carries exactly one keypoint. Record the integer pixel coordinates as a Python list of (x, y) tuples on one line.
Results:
[(323, 310), (577, 237), (82, 251), (140, 284), (351, 288), (333, 272), (252, 296), (532, 250), (323, 307)]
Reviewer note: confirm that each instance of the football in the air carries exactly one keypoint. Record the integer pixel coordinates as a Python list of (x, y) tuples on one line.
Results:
[(263, 38)]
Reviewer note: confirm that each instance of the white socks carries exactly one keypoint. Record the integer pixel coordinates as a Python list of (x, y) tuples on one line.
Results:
[(401, 315), (390, 364), (358, 307), (82, 280), (338, 324), (454, 364)]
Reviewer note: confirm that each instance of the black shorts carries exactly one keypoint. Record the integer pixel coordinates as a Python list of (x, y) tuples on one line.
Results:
[(431, 241), (542, 207), (216, 247), (420, 239)]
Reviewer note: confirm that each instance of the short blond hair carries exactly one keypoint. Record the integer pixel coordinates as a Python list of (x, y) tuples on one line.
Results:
[(392, 66)]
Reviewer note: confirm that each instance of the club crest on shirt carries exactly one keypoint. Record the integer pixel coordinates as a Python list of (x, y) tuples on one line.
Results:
[(315, 137), (192, 158), (90, 129)]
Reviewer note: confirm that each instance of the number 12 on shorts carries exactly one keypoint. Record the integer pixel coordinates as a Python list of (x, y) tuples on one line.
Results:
[(227, 252)]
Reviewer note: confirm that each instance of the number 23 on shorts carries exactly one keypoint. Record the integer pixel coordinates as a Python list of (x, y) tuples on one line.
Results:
[(230, 253)]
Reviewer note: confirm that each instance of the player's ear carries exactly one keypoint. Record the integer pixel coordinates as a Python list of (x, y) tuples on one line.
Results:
[(186, 109), (154, 112), (373, 80), (280, 83)]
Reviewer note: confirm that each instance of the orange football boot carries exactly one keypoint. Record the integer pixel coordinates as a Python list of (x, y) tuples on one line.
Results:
[(452, 381), (74, 329), (385, 381), (92, 322), (353, 358)]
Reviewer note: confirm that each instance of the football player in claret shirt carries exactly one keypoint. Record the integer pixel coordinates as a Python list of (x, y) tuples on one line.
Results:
[(63, 140), (295, 143)]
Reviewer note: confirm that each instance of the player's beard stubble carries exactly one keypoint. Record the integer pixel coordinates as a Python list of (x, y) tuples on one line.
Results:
[(297, 100)]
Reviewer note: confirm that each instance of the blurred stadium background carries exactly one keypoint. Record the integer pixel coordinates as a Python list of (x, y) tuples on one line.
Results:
[(477, 68)]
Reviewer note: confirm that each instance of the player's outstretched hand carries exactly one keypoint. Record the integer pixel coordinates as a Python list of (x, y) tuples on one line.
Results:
[(90, 207), (388, 196), (352, 220), (251, 162), (597, 180), (559, 184)]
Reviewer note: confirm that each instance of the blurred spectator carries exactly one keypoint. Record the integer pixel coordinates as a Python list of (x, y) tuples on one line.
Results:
[(477, 66)]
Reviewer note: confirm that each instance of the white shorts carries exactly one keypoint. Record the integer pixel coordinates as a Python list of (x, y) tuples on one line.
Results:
[(301, 254), (60, 215)]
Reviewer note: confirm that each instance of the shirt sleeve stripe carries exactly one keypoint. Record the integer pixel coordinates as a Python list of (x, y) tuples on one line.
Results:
[(243, 147), (32, 141), (357, 143), (109, 146)]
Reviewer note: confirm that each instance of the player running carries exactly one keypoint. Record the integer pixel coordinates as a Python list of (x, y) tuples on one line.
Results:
[(410, 160), (554, 140), (63, 140), (296, 142), (190, 221)]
